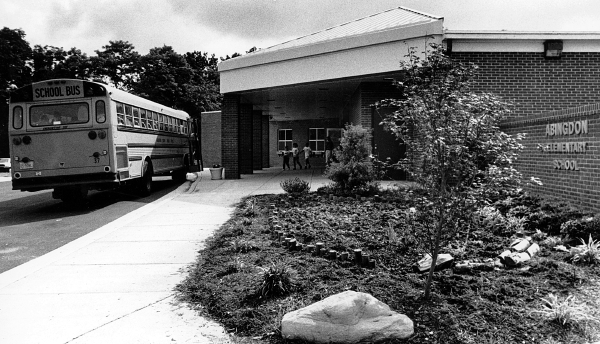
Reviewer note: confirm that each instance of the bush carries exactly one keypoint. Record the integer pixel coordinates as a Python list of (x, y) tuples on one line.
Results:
[(277, 279), (295, 185), (351, 175), (581, 228)]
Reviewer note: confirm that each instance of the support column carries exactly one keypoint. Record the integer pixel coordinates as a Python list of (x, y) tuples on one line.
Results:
[(230, 141), (245, 135), (257, 140), (265, 142)]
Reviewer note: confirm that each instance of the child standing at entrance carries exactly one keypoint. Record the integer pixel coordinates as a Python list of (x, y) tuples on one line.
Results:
[(286, 158), (307, 152), (296, 155)]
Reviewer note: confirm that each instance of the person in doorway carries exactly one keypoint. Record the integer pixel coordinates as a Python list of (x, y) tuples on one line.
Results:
[(328, 151), (296, 155), (307, 153), (286, 158)]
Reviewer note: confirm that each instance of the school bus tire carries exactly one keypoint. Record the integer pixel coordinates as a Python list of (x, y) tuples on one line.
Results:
[(145, 186)]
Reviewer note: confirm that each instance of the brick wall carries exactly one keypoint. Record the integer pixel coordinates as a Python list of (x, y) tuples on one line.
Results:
[(265, 141), (230, 135), (245, 134), (536, 85), (211, 138), (573, 175), (257, 140), (549, 92), (370, 93)]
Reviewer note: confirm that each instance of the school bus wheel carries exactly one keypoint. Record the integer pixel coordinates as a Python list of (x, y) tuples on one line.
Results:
[(146, 180)]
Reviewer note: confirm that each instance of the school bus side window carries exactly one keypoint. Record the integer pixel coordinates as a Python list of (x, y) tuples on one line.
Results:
[(136, 117), (155, 115), (149, 119), (143, 118), (128, 116), (120, 114)]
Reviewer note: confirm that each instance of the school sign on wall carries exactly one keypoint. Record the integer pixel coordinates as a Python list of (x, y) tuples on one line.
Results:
[(566, 130)]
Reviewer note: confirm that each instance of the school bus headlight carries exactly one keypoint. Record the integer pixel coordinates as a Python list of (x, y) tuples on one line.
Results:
[(106, 168), (92, 135), (17, 141), (26, 140), (102, 134), (104, 152)]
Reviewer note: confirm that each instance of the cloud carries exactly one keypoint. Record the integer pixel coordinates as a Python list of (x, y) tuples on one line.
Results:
[(256, 19)]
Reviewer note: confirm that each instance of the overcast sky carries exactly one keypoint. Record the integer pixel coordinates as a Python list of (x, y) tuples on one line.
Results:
[(222, 27)]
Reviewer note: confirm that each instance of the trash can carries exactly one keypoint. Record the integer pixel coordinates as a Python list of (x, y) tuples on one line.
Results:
[(216, 173)]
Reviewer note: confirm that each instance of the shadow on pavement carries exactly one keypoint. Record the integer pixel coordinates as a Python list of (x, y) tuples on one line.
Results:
[(42, 207)]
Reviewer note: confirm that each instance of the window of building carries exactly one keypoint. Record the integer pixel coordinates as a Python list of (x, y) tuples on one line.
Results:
[(316, 139), (284, 139)]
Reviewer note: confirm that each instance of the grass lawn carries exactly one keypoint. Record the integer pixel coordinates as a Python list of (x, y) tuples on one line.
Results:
[(479, 306)]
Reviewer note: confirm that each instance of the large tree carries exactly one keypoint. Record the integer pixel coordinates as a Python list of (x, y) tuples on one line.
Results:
[(455, 149), (188, 82), (14, 73), (118, 64)]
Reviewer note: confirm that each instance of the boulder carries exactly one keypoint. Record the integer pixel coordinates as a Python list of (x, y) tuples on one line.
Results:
[(348, 317)]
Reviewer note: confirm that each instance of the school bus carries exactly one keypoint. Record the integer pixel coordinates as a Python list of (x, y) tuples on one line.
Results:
[(75, 135)]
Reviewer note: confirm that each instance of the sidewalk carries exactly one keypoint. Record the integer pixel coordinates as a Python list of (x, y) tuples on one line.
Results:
[(115, 285)]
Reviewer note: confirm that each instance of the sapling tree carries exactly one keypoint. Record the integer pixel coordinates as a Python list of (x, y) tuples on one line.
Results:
[(455, 150)]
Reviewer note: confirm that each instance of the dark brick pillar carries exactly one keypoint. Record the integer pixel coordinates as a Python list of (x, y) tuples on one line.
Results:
[(230, 141), (245, 135), (256, 140), (265, 142)]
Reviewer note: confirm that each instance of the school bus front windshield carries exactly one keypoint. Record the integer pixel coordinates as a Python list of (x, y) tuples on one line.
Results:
[(57, 114)]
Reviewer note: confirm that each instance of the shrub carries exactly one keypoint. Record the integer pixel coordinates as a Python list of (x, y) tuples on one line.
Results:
[(295, 185), (250, 209), (582, 227), (490, 219), (588, 253), (277, 279), (352, 171), (350, 175), (565, 312)]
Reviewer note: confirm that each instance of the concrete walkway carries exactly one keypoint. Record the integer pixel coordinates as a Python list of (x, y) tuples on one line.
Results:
[(115, 285)]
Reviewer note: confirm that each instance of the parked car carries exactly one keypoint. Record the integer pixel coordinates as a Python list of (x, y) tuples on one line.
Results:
[(4, 164)]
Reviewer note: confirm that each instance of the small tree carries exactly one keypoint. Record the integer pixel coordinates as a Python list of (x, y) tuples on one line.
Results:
[(353, 168), (455, 149)]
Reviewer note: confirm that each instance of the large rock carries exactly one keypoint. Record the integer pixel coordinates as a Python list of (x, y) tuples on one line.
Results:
[(348, 317)]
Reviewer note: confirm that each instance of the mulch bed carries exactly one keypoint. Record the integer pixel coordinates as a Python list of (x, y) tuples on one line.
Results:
[(475, 307)]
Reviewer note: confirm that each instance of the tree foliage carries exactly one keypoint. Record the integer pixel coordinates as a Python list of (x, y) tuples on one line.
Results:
[(118, 64), (455, 149)]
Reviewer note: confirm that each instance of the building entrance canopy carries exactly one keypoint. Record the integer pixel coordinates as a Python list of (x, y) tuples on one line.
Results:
[(313, 77)]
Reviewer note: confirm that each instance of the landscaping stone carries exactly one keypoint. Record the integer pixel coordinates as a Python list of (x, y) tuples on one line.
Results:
[(443, 261), (348, 317)]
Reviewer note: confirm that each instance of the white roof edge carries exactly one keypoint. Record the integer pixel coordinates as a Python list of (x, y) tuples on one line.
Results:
[(421, 13), (410, 31), (518, 35)]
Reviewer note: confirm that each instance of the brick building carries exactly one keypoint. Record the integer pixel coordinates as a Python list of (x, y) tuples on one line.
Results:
[(305, 89)]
